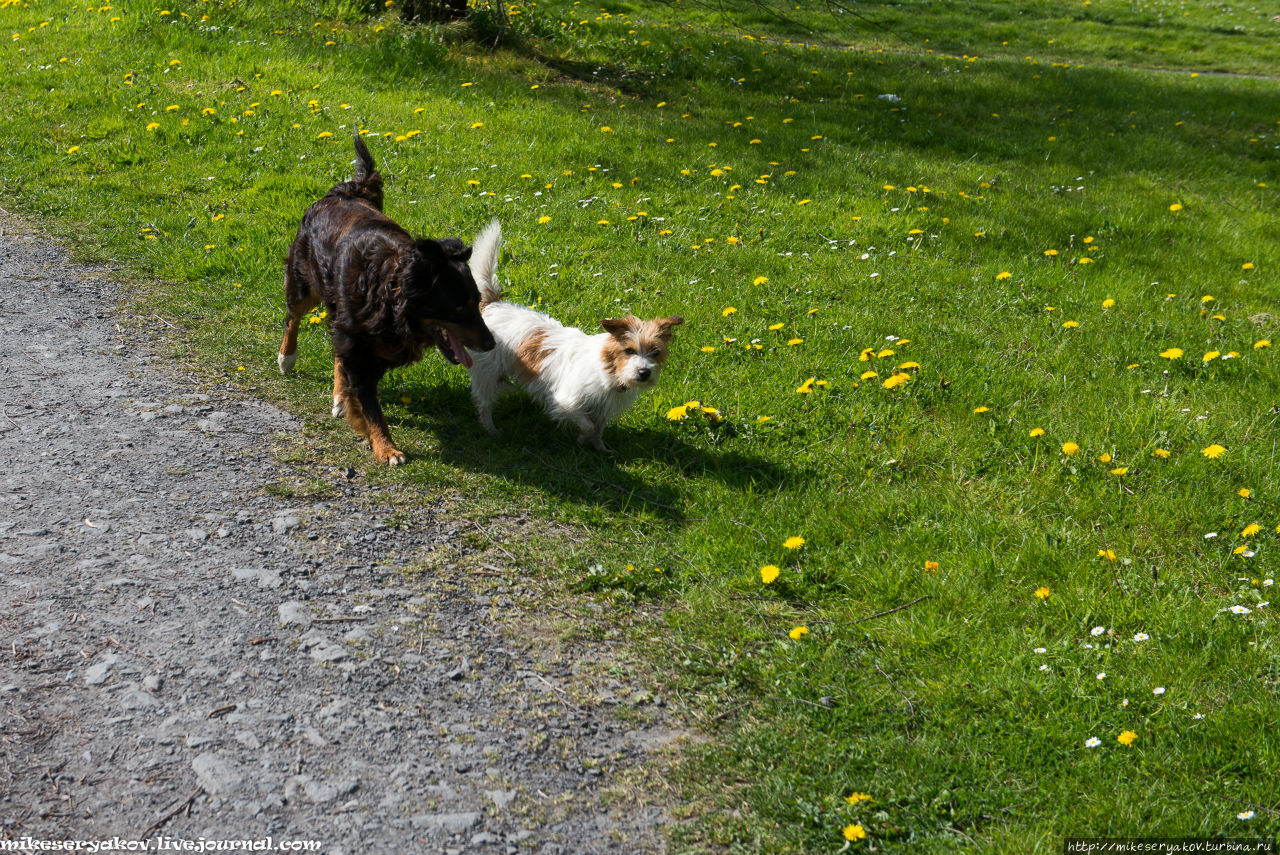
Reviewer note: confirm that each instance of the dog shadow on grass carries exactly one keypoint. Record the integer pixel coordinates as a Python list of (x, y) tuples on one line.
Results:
[(532, 450)]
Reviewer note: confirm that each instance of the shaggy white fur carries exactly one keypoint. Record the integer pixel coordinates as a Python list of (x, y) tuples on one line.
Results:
[(580, 379)]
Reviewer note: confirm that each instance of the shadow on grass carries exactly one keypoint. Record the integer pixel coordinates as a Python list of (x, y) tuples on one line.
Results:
[(533, 451)]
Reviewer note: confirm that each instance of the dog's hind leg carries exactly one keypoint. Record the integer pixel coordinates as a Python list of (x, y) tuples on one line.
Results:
[(341, 391), (299, 300), (484, 391)]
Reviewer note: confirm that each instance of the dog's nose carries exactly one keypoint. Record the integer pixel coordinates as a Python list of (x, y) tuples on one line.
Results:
[(644, 373)]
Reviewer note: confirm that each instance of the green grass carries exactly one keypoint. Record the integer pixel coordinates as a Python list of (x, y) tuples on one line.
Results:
[(848, 218)]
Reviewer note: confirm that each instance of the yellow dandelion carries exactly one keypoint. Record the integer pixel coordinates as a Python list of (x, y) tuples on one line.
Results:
[(867, 375), (893, 381), (769, 573), (728, 310), (1160, 452), (543, 219), (1004, 274), (793, 342), (1248, 265), (793, 542), (929, 567), (1210, 356), (1213, 452), (1042, 593), (1264, 342), (1107, 554), (1070, 448), (708, 349), (907, 365), (1108, 303), (1175, 207), (1051, 252), (1037, 431), (675, 414), (1126, 737), (1120, 470), (981, 409), (853, 832), (1172, 353), (1250, 530), (1070, 324), (760, 280), (1104, 458), (798, 632)]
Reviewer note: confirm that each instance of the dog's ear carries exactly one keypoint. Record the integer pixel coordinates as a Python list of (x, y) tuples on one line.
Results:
[(665, 325), (446, 249), (618, 327)]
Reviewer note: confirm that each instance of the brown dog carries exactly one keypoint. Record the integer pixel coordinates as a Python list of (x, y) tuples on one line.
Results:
[(389, 296)]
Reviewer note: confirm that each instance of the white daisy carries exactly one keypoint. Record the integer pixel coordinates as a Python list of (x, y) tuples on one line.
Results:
[(1097, 631), (1039, 650), (1044, 667), (1158, 690), (1092, 742), (1245, 814), (1241, 610), (1141, 636), (1102, 675)]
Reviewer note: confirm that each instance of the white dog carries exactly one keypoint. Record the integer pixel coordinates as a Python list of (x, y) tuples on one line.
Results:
[(583, 380)]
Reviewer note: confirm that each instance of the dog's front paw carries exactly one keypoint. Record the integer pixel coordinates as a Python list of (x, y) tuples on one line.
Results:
[(595, 441), (339, 409), (286, 361), (389, 455)]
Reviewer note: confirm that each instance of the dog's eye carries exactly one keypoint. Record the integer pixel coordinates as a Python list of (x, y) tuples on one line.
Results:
[(630, 351)]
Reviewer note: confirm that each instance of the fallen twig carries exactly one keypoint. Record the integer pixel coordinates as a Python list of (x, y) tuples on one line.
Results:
[(892, 610), (185, 804)]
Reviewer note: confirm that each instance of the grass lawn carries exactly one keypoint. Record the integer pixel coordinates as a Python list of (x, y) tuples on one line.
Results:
[(957, 498)]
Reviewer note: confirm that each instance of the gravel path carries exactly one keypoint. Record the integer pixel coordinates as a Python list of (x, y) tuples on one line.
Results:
[(183, 654)]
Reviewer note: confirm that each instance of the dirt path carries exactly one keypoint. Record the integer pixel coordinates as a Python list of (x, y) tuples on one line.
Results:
[(183, 654)]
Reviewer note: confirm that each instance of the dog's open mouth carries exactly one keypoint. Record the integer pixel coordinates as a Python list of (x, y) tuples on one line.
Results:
[(452, 348)]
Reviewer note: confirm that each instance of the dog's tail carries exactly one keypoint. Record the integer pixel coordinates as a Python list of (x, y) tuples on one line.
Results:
[(364, 161), (367, 181), (484, 263)]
